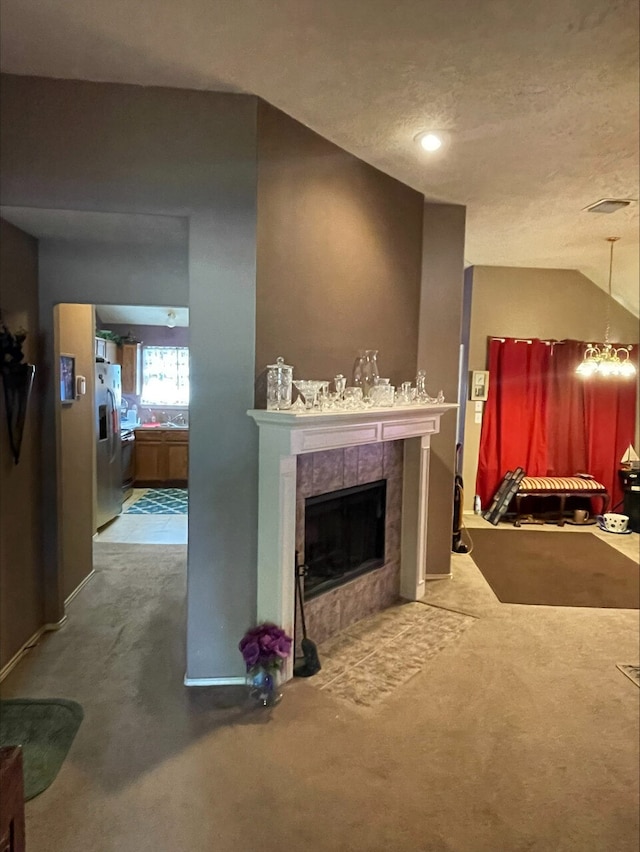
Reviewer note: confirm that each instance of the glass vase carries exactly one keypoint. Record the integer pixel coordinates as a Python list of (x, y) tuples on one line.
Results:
[(370, 371), (357, 374), (263, 684)]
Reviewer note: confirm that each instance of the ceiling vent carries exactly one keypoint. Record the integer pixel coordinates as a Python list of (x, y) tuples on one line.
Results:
[(609, 205)]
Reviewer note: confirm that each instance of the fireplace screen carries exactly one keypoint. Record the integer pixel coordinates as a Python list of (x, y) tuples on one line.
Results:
[(344, 535)]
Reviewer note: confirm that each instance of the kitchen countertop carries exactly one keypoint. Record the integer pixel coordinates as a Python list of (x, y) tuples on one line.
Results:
[(161, 426)]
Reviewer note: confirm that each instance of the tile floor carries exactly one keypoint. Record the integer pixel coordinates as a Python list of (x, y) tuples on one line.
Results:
[(144, 529), (365, 663)]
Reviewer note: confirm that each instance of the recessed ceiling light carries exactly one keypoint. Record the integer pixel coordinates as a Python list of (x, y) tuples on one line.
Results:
[(429, 141)]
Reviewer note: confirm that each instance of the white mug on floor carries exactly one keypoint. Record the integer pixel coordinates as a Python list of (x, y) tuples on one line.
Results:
[(615, 523)]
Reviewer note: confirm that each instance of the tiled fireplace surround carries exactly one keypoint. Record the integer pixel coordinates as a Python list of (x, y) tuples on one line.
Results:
[(331, 470), (317, 452)]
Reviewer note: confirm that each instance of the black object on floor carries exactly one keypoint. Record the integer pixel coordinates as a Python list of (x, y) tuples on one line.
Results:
[(457, 545), (503, 496), (311, 664)]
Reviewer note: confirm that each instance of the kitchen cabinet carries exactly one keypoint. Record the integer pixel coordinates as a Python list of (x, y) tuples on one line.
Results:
[(113, 356), (101, 348), (106, 350), (161, 457), (131, 361)]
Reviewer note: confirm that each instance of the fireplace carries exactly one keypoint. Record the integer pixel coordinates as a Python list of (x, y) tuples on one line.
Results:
[(348, 531), (310, 453), (344, 534)]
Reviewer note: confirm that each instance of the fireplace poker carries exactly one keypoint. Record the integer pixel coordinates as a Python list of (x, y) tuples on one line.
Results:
[(311, 664)]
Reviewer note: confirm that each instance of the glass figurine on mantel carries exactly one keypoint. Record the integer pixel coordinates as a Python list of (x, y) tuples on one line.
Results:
[(422, 394), (279, 384), (365, 370), (357, 374), (421, 387)]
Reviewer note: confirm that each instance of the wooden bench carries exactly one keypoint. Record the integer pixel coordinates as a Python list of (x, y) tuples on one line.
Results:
[(560, 487)]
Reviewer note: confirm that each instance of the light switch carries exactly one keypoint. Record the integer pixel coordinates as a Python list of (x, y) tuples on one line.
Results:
[(478, 417), (479, 406)]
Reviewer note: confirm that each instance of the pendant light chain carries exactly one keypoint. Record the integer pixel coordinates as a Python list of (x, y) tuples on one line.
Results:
[(607, 332), (607, 360)]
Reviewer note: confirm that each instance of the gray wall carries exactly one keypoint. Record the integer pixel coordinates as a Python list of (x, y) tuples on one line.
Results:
[(21, 605), (128, 149), (120, 272), (438, 353)]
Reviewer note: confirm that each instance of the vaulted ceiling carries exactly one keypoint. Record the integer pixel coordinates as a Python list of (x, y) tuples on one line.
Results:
[(537, 101)]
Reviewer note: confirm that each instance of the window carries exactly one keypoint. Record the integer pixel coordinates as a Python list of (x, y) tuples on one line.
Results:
[(165, 375)]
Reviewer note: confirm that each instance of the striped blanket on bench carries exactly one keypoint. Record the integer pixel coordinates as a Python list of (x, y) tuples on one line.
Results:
[(561, 487)]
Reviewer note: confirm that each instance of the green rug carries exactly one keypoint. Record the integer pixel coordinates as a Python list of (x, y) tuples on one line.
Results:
[(161, 501), (45, 729)]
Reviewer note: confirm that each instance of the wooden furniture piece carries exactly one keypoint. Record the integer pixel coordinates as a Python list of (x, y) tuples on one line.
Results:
[(107, 350), (560, 487), (161, 457), (131, 361), (12, 834)]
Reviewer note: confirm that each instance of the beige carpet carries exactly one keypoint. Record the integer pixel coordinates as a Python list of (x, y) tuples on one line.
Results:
[(632, 672), (519, 735)]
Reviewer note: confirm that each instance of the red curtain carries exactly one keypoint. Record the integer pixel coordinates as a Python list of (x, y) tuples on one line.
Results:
[(542, 416), (514, 423), (567, 440)]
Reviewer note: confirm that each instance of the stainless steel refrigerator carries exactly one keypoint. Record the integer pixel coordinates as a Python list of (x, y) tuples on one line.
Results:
[(108, 455)]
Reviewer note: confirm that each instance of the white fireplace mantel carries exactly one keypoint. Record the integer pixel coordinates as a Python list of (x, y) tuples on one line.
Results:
[(283, 436)]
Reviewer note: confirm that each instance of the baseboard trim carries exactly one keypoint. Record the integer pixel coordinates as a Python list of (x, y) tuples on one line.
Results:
[(28, 645), (215, 681), (438, 576), (79, 587), (54, 625)]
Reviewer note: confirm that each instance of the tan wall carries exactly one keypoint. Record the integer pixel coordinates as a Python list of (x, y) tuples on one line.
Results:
[(544, 303), (338, 256), (21, 607), (75, 336)]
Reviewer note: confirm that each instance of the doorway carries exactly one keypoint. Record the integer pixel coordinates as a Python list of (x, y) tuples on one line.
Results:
[(151, 345)]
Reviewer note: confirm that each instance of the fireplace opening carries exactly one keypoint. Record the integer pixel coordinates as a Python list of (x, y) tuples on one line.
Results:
[(344, 536)]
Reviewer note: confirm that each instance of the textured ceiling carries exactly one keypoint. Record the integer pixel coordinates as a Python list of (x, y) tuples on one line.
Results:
[(538, 100)]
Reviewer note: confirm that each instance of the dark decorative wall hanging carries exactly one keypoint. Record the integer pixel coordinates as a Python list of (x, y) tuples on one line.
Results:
[(17, 381)]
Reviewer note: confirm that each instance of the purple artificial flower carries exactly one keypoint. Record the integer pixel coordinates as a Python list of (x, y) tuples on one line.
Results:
[(265, 645)]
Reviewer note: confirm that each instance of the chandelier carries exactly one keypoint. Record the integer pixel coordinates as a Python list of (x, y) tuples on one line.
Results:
[(605, 359)]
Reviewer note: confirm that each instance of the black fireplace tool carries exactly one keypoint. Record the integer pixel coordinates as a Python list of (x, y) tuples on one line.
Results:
[(311, 664)]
